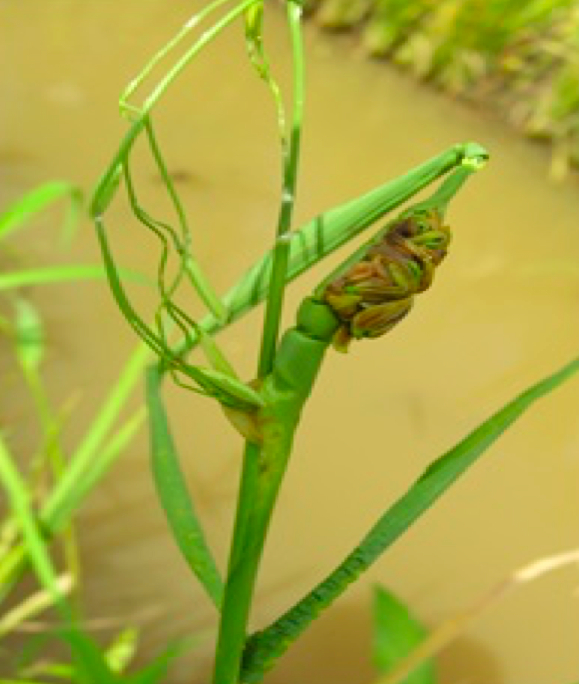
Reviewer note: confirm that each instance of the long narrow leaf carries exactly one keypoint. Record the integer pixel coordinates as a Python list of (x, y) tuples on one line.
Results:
[(174, 496), (266, 646), (36, 200), (122, 651), (103, 462), (56, 512), (58, 274)]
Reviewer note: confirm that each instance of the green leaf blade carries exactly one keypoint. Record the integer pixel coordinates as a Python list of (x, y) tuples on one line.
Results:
[(174, 495), (49, 275), (16, 216), (265, 647), (396, 634)]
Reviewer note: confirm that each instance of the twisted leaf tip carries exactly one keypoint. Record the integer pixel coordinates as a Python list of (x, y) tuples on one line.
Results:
[(378, 290), (475, 156)]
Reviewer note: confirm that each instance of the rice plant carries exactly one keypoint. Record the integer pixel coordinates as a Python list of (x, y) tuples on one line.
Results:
[(367, 296)]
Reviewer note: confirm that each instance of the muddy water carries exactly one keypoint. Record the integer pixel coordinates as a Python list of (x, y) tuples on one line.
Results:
[(502, 314)]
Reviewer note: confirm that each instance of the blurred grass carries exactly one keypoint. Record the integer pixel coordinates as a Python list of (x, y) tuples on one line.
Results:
[(40, 492), (520, 59)]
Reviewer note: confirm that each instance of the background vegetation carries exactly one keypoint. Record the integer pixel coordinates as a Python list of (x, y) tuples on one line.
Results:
[(519, 58)]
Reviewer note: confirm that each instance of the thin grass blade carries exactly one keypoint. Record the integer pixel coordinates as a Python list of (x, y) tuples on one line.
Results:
[(266, 646), (104, 460), (59, 274), (59, 506), (36, 200), (395, 635), (54, 670), (174, 496), (443, 634), (87, 464), (89, 661)]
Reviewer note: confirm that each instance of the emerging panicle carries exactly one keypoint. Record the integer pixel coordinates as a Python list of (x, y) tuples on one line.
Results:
[(378, 290)]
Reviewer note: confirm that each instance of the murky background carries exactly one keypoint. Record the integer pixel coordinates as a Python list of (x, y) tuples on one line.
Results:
[(502, 314)]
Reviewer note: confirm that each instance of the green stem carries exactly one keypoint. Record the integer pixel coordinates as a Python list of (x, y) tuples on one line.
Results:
[(290, 164), (257, 493), (285, 390), (240, 578)]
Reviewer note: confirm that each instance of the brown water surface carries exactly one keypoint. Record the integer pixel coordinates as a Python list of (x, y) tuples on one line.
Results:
[(503, 313)]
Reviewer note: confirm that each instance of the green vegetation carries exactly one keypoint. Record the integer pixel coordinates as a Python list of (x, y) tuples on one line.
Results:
[(365, 297), (44, 490), (518, 58)]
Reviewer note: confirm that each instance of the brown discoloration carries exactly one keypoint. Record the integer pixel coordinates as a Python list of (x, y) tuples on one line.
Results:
[(378, 291)]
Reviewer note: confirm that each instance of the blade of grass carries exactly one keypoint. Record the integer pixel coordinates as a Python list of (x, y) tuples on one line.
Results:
[(122, 650), (174, 496), (90, 662), (29, 341), (8, 534), (58, 274), (17, 215), (104, 460), (58, 506), (30, 351), (87, 464), (266, 646)]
